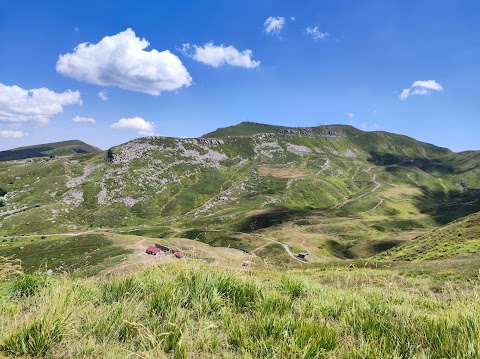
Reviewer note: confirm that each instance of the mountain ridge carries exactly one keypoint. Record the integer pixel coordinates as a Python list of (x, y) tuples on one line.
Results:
[(61, 148)]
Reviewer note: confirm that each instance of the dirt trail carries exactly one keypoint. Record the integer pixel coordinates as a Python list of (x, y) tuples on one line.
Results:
[(378, 204), (377, 186), (289, 252)]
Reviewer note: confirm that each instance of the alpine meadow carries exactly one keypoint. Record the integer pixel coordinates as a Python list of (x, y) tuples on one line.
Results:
[(333, 213)]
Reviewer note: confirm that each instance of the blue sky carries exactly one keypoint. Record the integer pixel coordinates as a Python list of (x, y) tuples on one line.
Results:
[(409, 67)]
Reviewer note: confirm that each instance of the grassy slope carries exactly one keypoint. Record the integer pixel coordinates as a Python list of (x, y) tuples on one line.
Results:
[(63, 148), (62, 254), (459, 238), (186, 311)]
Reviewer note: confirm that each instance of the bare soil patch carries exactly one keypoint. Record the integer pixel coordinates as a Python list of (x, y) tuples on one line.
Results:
[(287, 173)]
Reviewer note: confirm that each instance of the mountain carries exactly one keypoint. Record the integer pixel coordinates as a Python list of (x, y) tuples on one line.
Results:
[(64, 148), (333, 191)]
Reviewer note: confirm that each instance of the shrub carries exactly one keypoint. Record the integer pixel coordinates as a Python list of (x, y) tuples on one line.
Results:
[(27, 285)]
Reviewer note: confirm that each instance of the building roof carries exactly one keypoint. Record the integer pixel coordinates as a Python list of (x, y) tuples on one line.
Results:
[(153, 249), (163, 248), (179, 254)]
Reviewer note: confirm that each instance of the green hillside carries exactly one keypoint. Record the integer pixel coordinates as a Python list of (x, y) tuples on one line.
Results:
[(63, 148), (460, 238)]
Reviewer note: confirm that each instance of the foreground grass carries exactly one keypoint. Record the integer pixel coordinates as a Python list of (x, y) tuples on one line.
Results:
[(187, 310)]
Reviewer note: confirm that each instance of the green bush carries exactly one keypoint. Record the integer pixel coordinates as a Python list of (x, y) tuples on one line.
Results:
[(27, 285)]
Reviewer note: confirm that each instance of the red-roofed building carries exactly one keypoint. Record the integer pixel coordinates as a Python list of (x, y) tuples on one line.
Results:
[(179, 254), (152, 250)]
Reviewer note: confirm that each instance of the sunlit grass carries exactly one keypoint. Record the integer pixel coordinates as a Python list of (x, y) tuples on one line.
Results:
[(190, 310)]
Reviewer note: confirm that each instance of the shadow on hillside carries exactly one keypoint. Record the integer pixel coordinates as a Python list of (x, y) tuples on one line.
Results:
[(359, 249), (267, 219), (393, 162), (444, 207)]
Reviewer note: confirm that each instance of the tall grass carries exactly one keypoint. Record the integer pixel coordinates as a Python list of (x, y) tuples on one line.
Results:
[(188, 310)]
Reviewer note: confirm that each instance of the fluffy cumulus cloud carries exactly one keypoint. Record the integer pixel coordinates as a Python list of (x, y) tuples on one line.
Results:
[(274, 25), (83, 119), (421, 88), (220, 55), (11, 134), (121, 60), (136, 123), (103, 95), (315, 33), (18, 105)]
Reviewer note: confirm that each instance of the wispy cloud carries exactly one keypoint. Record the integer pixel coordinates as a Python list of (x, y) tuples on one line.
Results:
[(83, 119), (11, 134), (121, 60), (136, 123), (421, 88), (216, 56), (274, 25), (315, 33), (103, 95)]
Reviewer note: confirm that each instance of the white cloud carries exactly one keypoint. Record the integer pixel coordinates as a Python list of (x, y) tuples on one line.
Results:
[(350, 115), (315, 33), (36, 105), (136, 123), (83, 119), (376, 126), (421, 88), (11, 134), (274, 25), (219, 55), (429, 85), (103, 95), (292, 18), (121, 60)]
